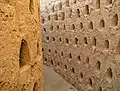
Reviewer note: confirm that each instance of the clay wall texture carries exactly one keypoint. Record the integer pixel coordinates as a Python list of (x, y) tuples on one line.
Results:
[(20, 46), (81, 41)]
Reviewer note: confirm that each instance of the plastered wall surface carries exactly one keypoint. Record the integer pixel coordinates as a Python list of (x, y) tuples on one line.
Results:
[(81, 41), (20, 46)]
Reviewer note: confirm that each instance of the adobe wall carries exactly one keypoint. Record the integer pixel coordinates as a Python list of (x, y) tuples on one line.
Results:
[(81, 41), (20, 46)]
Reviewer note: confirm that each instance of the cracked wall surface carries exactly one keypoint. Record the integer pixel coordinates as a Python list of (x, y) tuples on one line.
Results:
[(20, 46), (81, 41)]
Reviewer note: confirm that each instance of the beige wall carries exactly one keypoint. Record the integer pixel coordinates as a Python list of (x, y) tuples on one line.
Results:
[(81, 41), (20, 46)]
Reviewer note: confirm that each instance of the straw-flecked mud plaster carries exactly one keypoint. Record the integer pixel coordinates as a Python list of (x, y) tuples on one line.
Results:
[(20, 46)]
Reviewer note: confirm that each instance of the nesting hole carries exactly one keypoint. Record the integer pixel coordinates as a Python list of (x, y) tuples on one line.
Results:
[(67, 41), (66, 67), (76, 41), (43, 20), (73, 26), (47, 38), (45, 29), (49, 18), (97, 4), (115, 20), (79, 58), (74, 1), (46, 59), (55, 51), (51, 27), (106, 44), (24, 56), (90, 26), (99, 89), (23, 87), (81, 25), (118, 47), (109, 74), (86, 9), (85, 40), (52, 62), (58, 63), (61, 53), (98, 65), (42, 49), (57, 27), (64, 27), (81, 75), (63, 15), (78, 12), (49, 51), (60, 39), (94, 42), (55, 17), (90, 82), (102, 24), (70, 55), (73, 70), (70, 13), (53, 8), (53, 39), (87, 60)]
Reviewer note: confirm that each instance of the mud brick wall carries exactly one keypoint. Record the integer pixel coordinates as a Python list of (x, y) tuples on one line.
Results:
[(20, 46), (81, 41)]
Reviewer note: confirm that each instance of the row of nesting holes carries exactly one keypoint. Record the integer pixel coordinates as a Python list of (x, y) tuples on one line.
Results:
[(106, 43), (78, 11), (108, 74), (97, 66), (65, 66), (108, 2), (114, 22), (55, 16), (94, 42), (70, 55)]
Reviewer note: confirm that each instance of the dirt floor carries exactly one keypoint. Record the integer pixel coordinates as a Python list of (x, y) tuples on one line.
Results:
[(54, 82)]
